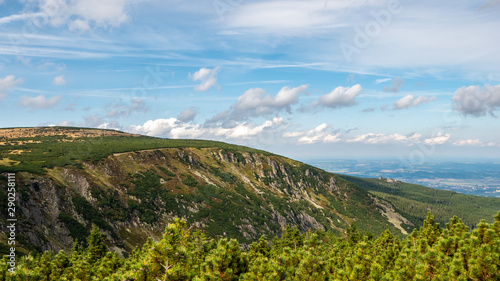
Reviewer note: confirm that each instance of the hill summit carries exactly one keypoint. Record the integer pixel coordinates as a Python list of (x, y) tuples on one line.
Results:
[(131, 186)]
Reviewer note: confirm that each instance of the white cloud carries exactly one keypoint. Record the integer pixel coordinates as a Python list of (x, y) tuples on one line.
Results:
[(372, 138), (293, 17), (316, 135), (207, 77), (339, 97), (257, 102), (78, 15), (39, 102), (59, 80), (12, 18), (440, 138), (382, 80), (477, 101), (110, 126), (471, 142), (187, 114), (410, 100), (245, 130), (176, 129), (121, 109), (66, 123), (8, 83)]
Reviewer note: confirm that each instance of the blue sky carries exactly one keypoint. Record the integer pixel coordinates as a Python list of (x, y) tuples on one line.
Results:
[(417, 80)]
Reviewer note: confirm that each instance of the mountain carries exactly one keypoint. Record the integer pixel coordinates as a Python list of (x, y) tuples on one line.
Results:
[(414, 201), (131, 186)]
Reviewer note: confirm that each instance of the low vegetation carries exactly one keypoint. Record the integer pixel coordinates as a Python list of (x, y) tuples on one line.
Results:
[(57, 146), (414, 201), (433, 252)]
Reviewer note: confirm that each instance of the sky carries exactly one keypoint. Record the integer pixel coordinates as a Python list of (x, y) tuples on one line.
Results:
[(307, 79)]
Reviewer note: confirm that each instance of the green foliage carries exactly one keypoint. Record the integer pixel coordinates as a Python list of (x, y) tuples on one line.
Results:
[(415, 201), (76, 229), (84, 208), (96, 249), (190, 181), (431, 253), (61, 150), (154, 199), (167, 172), (110, 204), (227, 177)]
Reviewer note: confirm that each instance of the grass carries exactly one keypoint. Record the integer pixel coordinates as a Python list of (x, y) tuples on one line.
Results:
[(61, 149)]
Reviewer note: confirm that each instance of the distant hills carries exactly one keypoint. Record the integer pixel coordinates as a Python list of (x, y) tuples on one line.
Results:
[(131, 186)]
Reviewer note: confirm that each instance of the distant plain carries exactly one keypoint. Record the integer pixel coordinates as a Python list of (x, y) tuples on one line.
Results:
[(480, 177)]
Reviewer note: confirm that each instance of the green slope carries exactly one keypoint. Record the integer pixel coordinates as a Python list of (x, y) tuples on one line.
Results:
[(131, 186), (60, 146), (415, 201)]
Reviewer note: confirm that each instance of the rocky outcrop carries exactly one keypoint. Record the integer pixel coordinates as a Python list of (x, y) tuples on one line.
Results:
[(133, 195)]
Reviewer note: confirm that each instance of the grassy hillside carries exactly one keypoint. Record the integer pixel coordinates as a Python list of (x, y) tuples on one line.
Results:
[(131, 186), (415, 201), (34, 149)]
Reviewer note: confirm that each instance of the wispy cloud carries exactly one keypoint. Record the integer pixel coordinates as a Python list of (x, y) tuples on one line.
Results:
[(39, 102), (7, 83), (122, 109), (13, 18), (382, 80), (396, 84)]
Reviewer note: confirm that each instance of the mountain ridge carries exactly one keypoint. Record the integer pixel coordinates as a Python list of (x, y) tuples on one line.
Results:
[(222, 189)]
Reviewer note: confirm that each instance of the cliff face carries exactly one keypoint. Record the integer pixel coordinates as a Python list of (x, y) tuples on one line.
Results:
[(224, 192)]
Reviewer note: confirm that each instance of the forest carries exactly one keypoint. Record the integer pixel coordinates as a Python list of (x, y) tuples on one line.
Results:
[(432, 252)]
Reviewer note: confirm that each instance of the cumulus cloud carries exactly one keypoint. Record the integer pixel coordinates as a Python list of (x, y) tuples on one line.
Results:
[(316, 135), (477, 101), (410, 100), (339, 97), (8, 83), (372, 138), (207, 77), (440, 138), (174, 128), (396, 84), (59, 80), (39, 102), (120, 109), (187, 114), (257, 102), (245, 130)]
